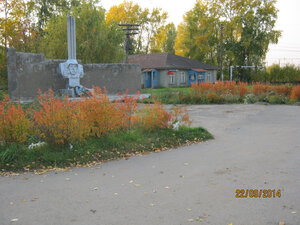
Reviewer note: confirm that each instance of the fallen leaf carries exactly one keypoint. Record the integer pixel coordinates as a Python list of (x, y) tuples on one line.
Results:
[(282, 223), (68, 179), (116, 193), (11, 203), (131, 181), (151, 204), (24, 200), (181, 176), (41, 181), (95, 188), (14, 220), (112, 176), (294, 212), (190, 220), (188, 209), (186, 164), (199, 219), (205, 214), (154, 191), (167, 187), (137, 185), (230, 224), (34, 198)]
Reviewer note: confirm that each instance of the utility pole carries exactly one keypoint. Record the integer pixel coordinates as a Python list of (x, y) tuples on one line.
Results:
[(130, 28), (221, 52)]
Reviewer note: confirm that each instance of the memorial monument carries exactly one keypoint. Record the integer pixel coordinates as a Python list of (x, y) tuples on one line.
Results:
[(71, 69)]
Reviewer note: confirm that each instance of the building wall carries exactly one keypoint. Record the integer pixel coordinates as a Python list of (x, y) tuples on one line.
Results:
[(165, 80), (28, 72), (211, 76)]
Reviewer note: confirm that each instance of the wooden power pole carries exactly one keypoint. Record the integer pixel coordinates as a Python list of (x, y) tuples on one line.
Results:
[(131, 30)]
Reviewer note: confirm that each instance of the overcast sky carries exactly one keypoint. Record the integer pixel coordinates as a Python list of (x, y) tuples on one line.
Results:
[(286, 51)]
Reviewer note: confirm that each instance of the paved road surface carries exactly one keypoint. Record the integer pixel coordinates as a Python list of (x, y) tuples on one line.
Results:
[(255, 147)]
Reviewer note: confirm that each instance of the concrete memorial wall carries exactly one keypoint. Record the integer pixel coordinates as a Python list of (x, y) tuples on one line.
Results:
[(29, 72)]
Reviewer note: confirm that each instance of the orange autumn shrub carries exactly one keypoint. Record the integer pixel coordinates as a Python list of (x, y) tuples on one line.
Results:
[(212, 97), (60, 121), (259, 88), (201, 88), (220, 88), (228, 87), (104, 116), (243, 89), (14, 124), (154, 116), (127, 107), (295, 95), (283, 90)]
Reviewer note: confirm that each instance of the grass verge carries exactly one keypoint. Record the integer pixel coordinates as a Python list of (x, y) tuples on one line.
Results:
[(123, 144)]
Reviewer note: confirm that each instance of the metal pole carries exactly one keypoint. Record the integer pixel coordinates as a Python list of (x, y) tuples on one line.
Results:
[(221, 46)]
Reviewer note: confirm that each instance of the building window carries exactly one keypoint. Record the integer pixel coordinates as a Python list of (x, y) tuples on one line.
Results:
[(208, 78), (172, 79), (182, 77), (200, 77), (193, 77)]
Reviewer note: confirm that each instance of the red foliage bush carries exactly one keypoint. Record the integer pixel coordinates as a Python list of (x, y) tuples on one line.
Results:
[(14, 123), (60, 121), (295, 95), (220, 88), (104, 116), (283, 90), (243, 89), (259, 88), (154, 116)]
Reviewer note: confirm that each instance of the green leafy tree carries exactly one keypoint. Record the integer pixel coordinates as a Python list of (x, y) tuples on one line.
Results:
[(149, 21), (164, 39), (248, 31), (46, 9), (96, 42), (16, 30)]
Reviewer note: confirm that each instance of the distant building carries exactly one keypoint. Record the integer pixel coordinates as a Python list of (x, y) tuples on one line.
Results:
[(169, 70)]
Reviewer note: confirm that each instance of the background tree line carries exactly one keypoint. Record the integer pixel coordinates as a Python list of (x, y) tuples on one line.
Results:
[(39, 26)]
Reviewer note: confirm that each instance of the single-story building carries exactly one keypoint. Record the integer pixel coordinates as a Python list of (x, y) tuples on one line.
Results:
[(169, 70)]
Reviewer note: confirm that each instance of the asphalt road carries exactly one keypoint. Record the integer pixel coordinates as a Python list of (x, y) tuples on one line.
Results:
[(255, 147)]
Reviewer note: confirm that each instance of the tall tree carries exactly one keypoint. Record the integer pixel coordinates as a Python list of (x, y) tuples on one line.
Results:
[(164, 39), (17, 29), (46, 9), (248, 31), (96, 40), (149, 21)]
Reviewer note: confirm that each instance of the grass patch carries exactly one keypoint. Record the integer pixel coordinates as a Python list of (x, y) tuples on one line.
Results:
[(17, 157), (167, 95)]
